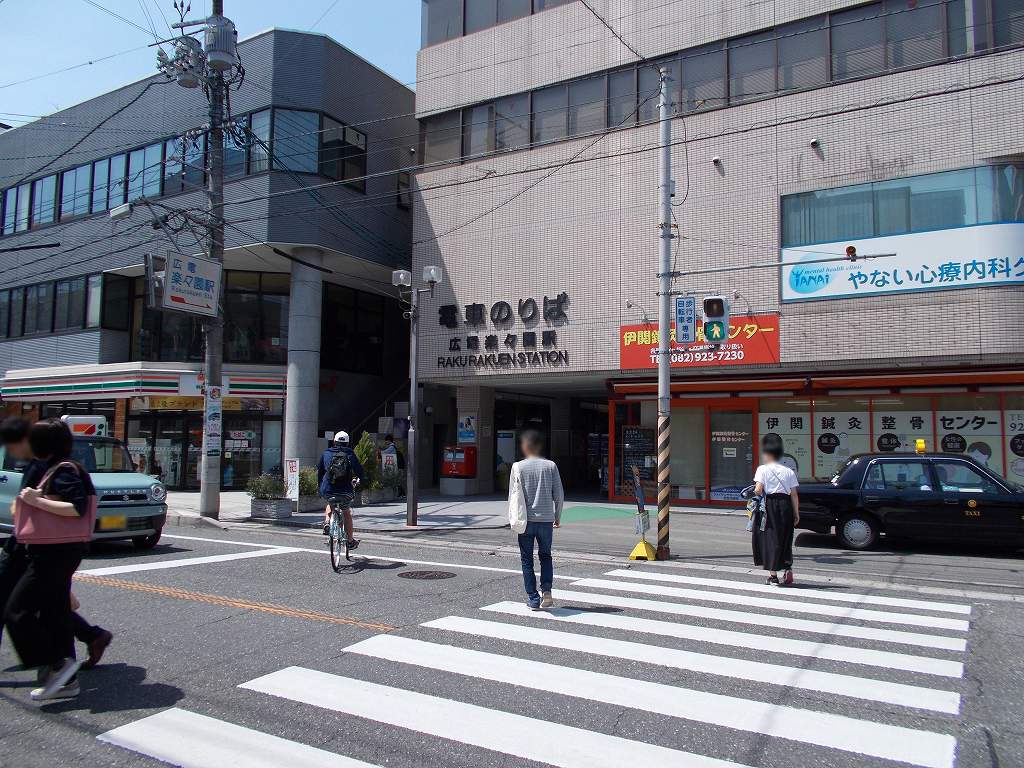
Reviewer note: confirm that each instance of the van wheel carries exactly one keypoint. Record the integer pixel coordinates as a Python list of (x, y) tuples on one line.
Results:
[(858, 531), (147, 542)]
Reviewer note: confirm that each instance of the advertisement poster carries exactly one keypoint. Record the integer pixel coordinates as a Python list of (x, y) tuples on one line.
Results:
[(794, 432), (291, 479), (753, 339), (506, 448), (192, 285), (897, 431), (978, 434), (1015, 446), (838, 435), (964, 257), (213, 422), (467, 429)]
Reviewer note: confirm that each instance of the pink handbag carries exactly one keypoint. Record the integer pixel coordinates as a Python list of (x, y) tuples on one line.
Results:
[(36, 526)]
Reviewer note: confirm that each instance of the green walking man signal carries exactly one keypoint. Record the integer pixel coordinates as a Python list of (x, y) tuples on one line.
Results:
[(716, 319)]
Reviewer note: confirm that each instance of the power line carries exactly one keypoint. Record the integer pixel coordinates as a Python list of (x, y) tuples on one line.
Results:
[(118, 16)]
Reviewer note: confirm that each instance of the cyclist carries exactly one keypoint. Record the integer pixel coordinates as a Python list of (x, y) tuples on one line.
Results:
[(339, 473)]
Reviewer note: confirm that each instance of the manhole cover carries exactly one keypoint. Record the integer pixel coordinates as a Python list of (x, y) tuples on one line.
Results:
[(426, 575)]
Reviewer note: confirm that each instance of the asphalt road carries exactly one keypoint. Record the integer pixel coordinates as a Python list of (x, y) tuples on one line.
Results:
[(243, 648)]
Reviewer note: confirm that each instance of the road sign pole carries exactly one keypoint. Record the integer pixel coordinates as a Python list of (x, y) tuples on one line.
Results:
[(664, 319)]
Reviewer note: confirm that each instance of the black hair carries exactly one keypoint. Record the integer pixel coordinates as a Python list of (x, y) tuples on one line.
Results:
[(533, 439), (50, 439), (772, 446), (14, 429)]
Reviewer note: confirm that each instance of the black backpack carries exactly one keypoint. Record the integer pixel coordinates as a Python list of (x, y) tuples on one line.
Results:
[(339, 471)]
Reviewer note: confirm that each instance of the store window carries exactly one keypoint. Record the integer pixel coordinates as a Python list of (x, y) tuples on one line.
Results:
[(828, 215), (296, 140), (971, 425), (788, 420), (689, 454), (354, 329), (899, 422), (1013, 440), (842, 428)]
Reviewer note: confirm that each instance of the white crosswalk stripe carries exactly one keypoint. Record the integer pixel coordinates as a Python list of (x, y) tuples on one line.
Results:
[(525, 737), (831, 629), (846, 733), (804, 593), (868, 689), (718, 636), (186, 739), (802, 699), (819, 609)]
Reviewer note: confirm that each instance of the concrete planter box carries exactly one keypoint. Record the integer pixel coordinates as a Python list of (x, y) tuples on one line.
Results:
[(311, 504), (275, 508), (376, 497)]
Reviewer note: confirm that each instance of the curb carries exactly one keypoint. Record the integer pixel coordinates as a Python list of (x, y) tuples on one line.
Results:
[(190, 521)]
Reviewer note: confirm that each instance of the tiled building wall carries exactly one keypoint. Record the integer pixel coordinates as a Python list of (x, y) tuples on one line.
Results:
[(510, 227)]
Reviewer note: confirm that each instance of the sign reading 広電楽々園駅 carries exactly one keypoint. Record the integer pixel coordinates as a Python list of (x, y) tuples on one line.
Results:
[(966, 257), (753, 339)]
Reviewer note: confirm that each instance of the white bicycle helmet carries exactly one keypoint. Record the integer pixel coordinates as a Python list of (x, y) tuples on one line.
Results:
[(341, 437)]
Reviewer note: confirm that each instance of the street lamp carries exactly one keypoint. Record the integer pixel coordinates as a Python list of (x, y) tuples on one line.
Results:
[(402, 279)]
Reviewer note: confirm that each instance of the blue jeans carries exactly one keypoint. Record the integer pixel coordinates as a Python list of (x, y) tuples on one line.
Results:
[(542, 533)]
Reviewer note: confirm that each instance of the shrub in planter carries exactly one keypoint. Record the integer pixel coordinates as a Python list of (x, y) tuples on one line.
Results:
[(309, 491), (267, 494)]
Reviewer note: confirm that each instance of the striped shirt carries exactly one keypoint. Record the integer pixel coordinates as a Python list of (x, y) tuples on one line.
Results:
[(542, 488)]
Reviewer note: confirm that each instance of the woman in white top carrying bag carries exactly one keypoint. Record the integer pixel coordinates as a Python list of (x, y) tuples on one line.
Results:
[(774, 521)]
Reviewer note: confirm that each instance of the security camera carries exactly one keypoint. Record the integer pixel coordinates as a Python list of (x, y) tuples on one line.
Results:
[(629, 304), (815, 144), (716, 160)]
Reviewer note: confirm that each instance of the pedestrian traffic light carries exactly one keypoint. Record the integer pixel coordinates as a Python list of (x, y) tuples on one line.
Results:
[(716, 319)]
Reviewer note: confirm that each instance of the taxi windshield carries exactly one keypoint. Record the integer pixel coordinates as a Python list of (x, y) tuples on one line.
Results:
[(101, 454)]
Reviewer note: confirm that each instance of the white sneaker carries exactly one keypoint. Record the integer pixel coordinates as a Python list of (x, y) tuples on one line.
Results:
[(57, 683), (546, 601)]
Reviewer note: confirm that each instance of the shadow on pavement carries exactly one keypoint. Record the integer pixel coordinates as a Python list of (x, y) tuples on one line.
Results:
[(117, 688)]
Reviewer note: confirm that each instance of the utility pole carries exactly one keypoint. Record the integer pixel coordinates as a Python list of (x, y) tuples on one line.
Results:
[(215, 66), (402, 278), (664, 318)]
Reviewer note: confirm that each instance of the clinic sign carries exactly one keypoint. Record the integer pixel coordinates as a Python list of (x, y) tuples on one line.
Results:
[(753, 340), (966, 257), (192, 284)]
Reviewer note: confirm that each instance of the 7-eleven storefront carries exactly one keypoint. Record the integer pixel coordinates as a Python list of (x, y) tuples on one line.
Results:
[(157, 410), (822, 418)]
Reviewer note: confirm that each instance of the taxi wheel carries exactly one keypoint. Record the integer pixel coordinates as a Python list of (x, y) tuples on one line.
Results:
[(858, 531), (146, 542)]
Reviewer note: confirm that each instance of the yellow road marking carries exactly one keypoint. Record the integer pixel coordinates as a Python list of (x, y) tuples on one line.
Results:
[(199, 597)]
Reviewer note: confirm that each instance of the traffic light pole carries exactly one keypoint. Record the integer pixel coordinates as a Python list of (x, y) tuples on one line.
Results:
[(411, 472), (664, 320)]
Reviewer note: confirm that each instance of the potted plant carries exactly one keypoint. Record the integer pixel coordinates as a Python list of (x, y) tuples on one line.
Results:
[(309, 491), (267, 494), (377, 487)]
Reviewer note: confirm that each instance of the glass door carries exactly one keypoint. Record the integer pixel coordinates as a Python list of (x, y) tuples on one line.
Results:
[(167, 451), (730, 452), (193, 451)]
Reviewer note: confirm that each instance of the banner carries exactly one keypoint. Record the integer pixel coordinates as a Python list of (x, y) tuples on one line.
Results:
[(291, 479), (753, 340), (213, 425), (967, 257)]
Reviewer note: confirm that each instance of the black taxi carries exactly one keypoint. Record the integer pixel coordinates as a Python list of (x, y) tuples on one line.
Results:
[(920, 496)]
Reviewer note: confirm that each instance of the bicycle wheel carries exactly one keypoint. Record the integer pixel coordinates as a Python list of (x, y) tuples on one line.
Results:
[(337, 533), (347, 534)]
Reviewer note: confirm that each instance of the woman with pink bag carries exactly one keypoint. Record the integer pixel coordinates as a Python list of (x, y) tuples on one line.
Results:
[(54, 516)]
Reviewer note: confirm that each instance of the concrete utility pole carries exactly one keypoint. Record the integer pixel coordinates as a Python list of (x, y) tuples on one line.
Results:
[(664, 318), (402, 278), (214, 65)]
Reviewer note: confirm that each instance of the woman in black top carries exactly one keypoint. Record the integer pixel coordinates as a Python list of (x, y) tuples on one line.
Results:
[(38, 613)]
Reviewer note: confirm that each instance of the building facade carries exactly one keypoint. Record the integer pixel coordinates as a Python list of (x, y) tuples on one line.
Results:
[(799, 130), (318, 213)]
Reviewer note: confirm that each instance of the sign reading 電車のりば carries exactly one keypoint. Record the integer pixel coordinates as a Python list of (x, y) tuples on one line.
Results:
[(192, 284), (753, 339)]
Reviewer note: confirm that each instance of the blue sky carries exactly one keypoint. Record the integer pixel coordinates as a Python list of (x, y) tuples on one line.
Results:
[(41, 36)]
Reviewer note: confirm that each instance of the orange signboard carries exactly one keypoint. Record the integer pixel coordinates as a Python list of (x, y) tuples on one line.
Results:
[(753, 340)]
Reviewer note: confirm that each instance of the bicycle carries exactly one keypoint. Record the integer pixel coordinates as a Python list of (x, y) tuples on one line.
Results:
[(338, 533)]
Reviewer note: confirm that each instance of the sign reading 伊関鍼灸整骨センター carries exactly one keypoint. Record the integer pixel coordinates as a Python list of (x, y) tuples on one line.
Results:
[(192, 284), (966, 257), (753, 339)]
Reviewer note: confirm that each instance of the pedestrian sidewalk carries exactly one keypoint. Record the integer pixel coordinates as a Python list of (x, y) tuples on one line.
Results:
[(436, 512)]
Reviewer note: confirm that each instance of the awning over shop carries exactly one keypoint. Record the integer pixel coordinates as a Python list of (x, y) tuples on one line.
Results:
[(136, 379)]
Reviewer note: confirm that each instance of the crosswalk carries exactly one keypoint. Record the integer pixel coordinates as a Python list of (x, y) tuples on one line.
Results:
[(848, 678)]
